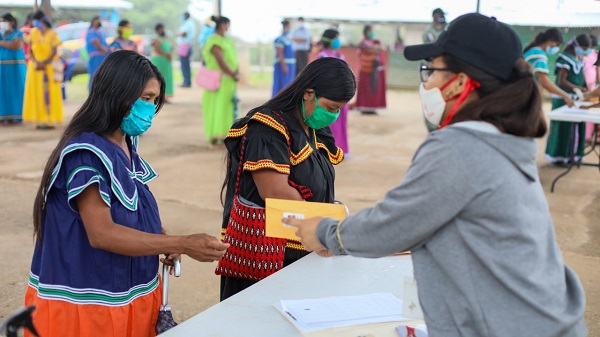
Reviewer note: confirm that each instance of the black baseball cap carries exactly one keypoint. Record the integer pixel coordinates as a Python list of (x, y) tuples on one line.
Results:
[(438, 11), (481, 41)]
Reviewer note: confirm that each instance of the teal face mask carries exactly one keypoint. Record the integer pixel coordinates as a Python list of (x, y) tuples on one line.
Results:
[(336, 43), (320, 117), (371, 35), (139, 119)]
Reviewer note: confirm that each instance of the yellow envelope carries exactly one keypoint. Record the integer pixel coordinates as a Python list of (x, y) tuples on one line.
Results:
[(278, 208)]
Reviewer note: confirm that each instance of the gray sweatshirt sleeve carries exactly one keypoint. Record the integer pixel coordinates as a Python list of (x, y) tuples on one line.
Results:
[(434, 190)]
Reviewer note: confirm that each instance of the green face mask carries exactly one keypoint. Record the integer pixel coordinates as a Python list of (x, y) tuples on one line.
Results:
[(320, 118)]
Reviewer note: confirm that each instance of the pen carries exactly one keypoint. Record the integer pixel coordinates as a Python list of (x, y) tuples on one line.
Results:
[(292, 316)]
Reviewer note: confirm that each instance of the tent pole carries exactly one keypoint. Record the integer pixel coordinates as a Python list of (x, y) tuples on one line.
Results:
[(478, 5)]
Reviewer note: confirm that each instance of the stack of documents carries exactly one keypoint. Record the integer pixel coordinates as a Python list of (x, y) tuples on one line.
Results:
[(317, 314)]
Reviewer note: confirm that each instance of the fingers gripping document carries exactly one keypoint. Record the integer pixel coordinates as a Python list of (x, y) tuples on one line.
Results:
[(278, 208)]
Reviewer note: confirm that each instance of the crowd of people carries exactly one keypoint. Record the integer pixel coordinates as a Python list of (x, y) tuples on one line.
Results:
[(93, 204)]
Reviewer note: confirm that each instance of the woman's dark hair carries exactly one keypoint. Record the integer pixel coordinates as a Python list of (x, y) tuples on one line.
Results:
[(328, 36), (513, 106), (10, 18), (117, 84), (93, 20), (366, 29), (582, 40), (329, 77), (158, 26), (593, 41), (39, 15), (219, 21), (552, 34)]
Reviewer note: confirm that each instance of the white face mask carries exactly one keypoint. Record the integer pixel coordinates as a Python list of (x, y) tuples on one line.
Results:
[(4, 25), (434, 105)]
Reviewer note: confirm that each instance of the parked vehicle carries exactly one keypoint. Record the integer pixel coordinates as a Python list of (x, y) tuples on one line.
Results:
[(73, 50)]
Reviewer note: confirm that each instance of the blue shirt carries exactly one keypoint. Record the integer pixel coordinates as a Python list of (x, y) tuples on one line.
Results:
[(95, 34), (302, 33), (189, 28)]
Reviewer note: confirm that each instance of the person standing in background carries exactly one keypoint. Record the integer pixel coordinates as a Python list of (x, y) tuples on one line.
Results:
[(302, 44), (26, 29), (43, 100), (162, 57), (185, 39), (330, 46), (592, 77), (123, 40), (12, 71), (371, 83), (569, 76), (96, 46), (436, 27), (284, 69), (536, 54), (218, 107)]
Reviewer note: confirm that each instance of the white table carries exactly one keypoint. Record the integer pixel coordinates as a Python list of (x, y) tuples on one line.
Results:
[(251, 312), (577, 116)]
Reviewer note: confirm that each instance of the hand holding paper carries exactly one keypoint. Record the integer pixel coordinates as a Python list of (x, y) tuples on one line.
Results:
[(307, 232)]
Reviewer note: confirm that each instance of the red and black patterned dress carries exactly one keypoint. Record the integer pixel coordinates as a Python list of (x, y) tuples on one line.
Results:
[(309, 166)]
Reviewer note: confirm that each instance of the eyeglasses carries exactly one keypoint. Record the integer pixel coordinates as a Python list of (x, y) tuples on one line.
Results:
[(425, 71)]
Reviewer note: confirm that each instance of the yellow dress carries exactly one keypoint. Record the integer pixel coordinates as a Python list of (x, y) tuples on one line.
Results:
[(42, 103)]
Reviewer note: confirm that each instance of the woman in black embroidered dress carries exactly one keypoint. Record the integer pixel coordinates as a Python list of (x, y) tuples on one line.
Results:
[(301, 113)]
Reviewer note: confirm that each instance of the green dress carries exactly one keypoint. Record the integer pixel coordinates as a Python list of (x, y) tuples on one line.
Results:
[(557, 146), (163, 64), (218, 107)]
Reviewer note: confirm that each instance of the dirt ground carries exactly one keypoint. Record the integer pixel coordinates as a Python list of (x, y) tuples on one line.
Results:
[(191, 174)]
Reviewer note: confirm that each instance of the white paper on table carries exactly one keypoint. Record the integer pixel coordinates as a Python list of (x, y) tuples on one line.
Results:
[(331, 312)]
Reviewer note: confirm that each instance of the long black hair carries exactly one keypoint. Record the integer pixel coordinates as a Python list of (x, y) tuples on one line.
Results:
[(329, 77), (514, 106), (552, 34), (117, 84)]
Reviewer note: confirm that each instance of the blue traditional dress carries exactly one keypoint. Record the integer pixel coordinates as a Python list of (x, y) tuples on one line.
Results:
[(281, 80), (538, 60), (96, 56), (79, 290), (12, 80)]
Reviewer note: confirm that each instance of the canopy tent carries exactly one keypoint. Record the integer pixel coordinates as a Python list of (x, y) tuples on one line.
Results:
[(87, 4)]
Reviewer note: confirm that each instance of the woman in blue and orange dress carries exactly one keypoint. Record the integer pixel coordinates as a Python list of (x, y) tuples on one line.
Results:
[(98, 231), (123, 41), (273, 168), (371, 81), (12, 71)]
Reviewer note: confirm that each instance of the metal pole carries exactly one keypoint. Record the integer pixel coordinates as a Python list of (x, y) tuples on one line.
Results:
[(478, 5), (217, 7)]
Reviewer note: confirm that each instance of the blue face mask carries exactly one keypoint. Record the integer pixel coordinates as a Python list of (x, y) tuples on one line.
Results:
[(139, 119), (579, 51), (589, 51), (336, 43), (552, 50)]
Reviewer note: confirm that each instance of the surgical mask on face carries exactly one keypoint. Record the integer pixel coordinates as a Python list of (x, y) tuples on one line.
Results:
[(38, 24), (139, 119), (320, 117), (588, 51), (579, 51), (434, 104), (127, 33), (4, 26), (552, 50), (336, 43), (440, 20), (371, 35), (286, 32)]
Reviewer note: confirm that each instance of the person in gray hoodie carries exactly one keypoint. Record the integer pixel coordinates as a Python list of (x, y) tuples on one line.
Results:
[(471, 208)]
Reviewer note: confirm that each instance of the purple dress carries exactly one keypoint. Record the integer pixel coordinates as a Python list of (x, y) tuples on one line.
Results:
[(340, 126)]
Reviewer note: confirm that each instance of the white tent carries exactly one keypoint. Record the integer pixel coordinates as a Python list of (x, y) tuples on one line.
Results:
[(82, 4)]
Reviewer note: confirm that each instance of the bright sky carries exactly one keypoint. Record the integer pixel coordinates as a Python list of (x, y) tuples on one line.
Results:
[(259, 20)]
